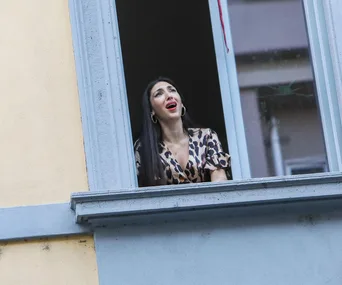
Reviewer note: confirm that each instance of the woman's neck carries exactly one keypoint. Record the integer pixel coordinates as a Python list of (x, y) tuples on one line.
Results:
[(173, 132)]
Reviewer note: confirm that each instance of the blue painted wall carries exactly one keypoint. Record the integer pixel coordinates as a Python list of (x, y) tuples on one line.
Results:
[(292, 249)]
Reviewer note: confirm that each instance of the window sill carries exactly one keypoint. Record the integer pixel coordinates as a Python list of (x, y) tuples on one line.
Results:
[(193, 201)]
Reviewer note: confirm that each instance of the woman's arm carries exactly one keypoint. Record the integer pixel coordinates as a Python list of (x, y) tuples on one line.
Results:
[(217, 161), (218, 175)]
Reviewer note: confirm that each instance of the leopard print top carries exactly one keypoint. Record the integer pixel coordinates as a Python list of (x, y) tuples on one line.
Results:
[(205, 155)]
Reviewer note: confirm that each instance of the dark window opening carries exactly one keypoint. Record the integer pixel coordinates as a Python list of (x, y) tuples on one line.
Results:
[(172, 39)]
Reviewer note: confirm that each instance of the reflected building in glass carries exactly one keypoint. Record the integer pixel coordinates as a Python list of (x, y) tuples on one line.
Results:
[(281, 117)]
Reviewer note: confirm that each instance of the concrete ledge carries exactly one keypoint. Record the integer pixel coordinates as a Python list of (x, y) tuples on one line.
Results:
[(40, 221), (180, 201)]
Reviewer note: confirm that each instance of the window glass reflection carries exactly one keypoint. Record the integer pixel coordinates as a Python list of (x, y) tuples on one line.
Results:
[(281, 116)]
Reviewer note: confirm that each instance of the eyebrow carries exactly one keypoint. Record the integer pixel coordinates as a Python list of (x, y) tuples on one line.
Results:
[(157, 90), (167, 87)]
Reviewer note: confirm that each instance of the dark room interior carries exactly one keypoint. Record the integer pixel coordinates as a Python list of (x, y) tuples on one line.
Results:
[(167, 38)]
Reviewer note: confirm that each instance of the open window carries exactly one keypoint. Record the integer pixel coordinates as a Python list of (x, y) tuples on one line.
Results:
[(266, 79), (171, 39), (176, 40), (277, 86), (248, 95)]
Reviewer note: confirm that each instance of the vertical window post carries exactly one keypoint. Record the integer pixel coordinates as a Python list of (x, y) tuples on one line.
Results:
[(230, 93), (102, 92), (333, 13), (324, 59)]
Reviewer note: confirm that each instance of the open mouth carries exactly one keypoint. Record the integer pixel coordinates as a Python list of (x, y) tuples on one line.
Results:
[(171, 105)]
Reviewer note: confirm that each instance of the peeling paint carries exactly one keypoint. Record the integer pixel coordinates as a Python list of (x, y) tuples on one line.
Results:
[(46, 247)]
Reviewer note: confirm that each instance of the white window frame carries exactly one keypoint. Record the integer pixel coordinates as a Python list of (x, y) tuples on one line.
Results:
[(230, 92), (106, 124), (326, 65)]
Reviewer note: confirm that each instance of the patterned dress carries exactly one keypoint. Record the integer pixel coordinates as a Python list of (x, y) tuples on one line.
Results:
[(205, 155)]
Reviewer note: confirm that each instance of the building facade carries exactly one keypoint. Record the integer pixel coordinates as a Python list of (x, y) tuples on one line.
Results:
[(265, 74), (42, 148)]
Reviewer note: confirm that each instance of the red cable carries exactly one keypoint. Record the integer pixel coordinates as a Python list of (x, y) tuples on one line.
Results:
[(222, 24)]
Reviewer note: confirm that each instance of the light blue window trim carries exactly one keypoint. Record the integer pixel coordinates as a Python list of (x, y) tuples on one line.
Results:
[(325, 61), (249, 197), (230, 92), (40, 221), (102, 93), (333, 16)]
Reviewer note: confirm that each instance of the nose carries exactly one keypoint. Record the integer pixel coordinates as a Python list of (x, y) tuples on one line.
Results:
[(169, 96)]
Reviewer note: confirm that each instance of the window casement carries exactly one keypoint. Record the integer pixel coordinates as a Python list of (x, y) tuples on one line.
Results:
[(107, 131)]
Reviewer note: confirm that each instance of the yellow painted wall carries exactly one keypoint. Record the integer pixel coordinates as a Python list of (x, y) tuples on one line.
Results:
[(41, 149), (53, 262)]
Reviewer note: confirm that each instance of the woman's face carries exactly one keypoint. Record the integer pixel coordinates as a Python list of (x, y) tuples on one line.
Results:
[(165, 101)]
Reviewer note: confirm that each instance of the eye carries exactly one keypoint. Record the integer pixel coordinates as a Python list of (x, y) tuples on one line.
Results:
[(158, 93)]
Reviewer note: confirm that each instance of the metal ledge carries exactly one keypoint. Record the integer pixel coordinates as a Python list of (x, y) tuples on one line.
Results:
[(180, 201)]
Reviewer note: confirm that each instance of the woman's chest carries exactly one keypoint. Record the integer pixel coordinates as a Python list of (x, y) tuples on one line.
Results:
[(184, 164), (179, 153)]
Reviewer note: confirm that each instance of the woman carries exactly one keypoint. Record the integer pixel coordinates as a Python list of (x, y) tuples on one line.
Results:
[(168, 150)]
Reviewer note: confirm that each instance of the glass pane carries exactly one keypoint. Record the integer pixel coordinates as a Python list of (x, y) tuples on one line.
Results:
[(281, 116)]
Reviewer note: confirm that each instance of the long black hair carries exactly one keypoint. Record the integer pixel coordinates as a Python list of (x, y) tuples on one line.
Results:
[(151, 172)]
